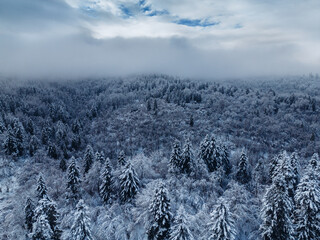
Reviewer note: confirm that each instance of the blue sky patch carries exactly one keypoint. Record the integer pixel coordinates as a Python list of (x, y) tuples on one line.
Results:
[(196, 22)]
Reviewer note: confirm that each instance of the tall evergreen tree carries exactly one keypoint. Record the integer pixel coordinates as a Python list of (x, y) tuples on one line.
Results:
[(307, 198), (180, 230), (33, 145), (106, 185), (122, 159), (276, 212), (73, 183), (81, 229), (225, 162), (10, 144), (160, 211), (29, 214), (186, 158), (48, 208), (222, 223), (209, 153), (175, 158), (295, 168), (88, 159), (129, 183), (41, 188), (19, 135), (63, 164), (243, 175), (41, 229)]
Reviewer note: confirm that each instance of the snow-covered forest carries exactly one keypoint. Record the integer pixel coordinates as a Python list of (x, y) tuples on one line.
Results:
[(158, 157)]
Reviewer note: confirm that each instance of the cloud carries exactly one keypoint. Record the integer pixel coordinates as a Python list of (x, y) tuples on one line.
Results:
[(207, 39)]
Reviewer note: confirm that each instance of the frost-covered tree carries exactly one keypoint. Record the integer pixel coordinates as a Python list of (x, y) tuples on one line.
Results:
[(314, 162), (41, 188), (29, 214), (276, 212), (73, 182), (19, 135), (180, 229), (41, 229), (106, 183), (209, 153), (242, 174), (52, 151), (307, 199), (129, 183), (10, 144), (161, 215), (295, 168), (99, 157), (81, 229), (222, 223), (175, 158), (48, 208), (63, 164), (88, 159), (122, 159), (33, 145), (186, 158), (225, 162)]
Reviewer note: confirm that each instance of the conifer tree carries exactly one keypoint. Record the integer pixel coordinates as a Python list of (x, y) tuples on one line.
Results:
[(160, 211), (294, 165), (129, 183), (88, 159), (63, 164), (33, 145), (10, 144), (122, 159), (19, 135), (314, 162), (52, 151), (186, 158), (106, 185), (48, 208), (99, 157), (175, 158), (73, 183), (41, 188), (287, 170), (180, 230), (209, 153), (276, 212), (29, 214), (225, 162), (81, 229), (222, 223), (242, 175), (41, 229), (307, 199)]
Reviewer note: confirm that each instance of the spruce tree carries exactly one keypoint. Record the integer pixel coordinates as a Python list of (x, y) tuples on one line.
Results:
[(295, 166), (122, 159), (19, 135), (48, 208), (175, 158), (10, 143), (73, 182), (81, 229), (225, 162), (160, 211), (129, 183), (99, 157), (209, 153), (287, 170), (29, 214), (307, 199), (88, 159), (41, 188), (52, 151), (222, 223), (33, 145), (180, 230), (41, 229), (63, 164), (242, 175), (186, 158), (276, 212), (106, 185), (314, 162)]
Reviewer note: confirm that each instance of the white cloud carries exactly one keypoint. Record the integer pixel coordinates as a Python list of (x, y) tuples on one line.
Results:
[(101, 37)]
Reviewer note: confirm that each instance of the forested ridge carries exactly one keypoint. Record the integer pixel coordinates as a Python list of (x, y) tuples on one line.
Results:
[(159, 157)]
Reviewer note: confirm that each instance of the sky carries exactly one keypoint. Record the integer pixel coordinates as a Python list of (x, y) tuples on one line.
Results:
[(199, 38)]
